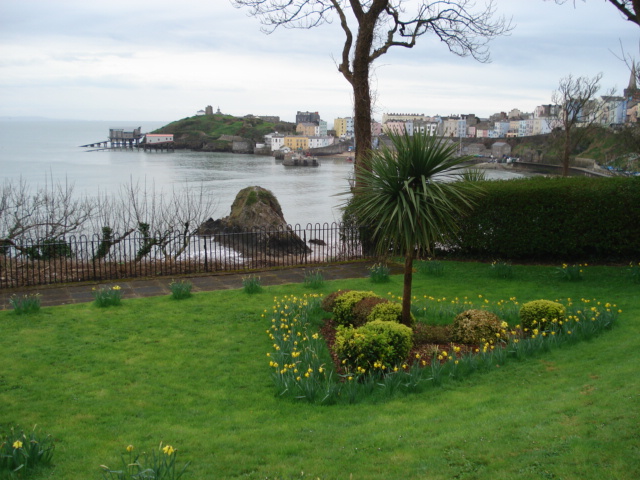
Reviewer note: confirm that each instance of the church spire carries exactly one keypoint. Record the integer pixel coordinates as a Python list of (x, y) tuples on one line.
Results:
[(632, 92)]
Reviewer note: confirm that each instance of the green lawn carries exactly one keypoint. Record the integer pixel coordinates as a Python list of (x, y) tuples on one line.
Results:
[(194, 374)]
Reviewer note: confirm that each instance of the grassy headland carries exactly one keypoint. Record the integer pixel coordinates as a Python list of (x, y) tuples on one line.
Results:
[(204, 131)]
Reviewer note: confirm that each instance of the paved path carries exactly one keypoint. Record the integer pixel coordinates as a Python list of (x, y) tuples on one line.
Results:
[(134, 288)]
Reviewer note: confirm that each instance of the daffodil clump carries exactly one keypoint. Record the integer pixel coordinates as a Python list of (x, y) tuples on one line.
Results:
[(443, 310), (25, 304), (634, 272), (21, 453), (299, 355), (501, 269), (431, 267), (107, 296), (251, 284), (313, 278), (160, 464), (181, 289), (571, 273), (379, 273)]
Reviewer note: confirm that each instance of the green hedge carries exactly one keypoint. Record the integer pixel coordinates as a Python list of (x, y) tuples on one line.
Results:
[(559, 219)]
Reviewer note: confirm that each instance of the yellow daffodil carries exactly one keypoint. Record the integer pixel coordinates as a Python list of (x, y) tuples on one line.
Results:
[(168, 450)]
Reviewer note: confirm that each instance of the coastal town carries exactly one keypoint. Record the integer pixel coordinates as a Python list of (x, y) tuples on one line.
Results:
[(312, 133)]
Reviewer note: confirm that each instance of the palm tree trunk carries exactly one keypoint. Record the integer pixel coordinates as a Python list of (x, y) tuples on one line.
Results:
[(406, 294)]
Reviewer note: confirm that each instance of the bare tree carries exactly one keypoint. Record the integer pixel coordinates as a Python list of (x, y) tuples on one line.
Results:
[(48, 214), (628, 8), (114, 221), (372, 27), (578, 111), (164, 220)]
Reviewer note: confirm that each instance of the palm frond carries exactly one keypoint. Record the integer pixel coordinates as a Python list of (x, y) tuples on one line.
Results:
[(408, 194)]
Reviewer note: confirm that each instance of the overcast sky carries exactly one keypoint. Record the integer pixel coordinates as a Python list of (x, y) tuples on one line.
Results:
[(159, 60)]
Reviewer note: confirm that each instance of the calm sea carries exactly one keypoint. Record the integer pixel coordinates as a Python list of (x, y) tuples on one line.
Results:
[(41, 150)]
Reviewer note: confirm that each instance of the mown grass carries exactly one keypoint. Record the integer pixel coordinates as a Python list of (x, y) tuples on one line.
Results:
[(194, 374)]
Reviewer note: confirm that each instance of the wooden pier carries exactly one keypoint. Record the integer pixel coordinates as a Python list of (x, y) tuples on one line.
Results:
[(159, 146)]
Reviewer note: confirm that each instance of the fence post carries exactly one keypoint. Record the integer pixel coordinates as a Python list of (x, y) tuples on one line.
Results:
[(206, 257)]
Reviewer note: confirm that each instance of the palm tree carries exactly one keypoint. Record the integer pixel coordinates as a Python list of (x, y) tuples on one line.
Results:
[(412, 196)]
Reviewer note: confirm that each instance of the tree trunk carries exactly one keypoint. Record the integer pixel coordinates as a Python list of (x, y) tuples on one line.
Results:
[(362, 117), (406, 292), (361, 89)]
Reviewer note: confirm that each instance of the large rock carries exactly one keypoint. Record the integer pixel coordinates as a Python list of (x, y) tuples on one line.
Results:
[(255, 226)]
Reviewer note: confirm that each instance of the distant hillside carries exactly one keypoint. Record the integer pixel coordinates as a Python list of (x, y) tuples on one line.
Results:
[(203, 132), (605, 146)]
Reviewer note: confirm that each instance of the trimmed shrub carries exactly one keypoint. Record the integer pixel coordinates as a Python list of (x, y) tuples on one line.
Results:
[(329, 301), (386, 342), (343, 306), (541, 314), (553, 219), (477, 326), (388, 312), (363, 308), (435, 334)]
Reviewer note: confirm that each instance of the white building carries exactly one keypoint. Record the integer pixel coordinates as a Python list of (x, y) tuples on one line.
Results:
[(322, 128), (408, 127), (525, 127), (501, 129), (541, 126), (320, 141), (429, 128), (275, 141), (396, 127), (158, 137), (343, 127), (614, 110), (455, 127)]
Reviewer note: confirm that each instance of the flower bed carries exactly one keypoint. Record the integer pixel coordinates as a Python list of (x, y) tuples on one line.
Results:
[(306, 366)]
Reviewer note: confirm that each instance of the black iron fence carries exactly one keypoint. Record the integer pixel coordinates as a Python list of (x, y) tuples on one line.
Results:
[(94, 258)]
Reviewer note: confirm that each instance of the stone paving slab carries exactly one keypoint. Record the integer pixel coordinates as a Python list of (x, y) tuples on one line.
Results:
[(52, 295)]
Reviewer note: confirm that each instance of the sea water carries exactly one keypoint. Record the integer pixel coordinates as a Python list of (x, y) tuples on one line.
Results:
[(40, 151)]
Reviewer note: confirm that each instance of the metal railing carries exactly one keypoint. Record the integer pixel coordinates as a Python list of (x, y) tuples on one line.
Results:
[(94, 258)]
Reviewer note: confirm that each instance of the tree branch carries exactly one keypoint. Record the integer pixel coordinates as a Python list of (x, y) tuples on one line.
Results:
[(344, 66)]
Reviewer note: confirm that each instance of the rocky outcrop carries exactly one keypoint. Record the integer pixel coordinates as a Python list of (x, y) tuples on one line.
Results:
[(255, 226)]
